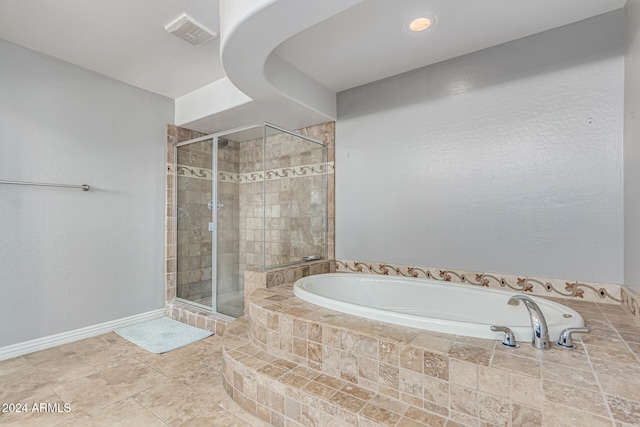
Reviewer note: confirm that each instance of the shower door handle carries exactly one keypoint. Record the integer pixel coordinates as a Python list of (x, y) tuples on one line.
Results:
[(218, 205)]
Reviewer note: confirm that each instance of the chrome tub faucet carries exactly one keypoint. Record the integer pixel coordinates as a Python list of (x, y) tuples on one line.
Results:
[(540, 333)]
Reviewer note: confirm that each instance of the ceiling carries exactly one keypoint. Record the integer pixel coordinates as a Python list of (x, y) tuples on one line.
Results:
[(371, 41), (125, 39), (122, 39)]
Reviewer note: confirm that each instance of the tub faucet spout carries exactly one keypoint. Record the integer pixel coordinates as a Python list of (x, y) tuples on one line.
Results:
[(540, 333)]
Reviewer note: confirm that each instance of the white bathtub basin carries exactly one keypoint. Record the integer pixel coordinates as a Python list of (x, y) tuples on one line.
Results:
[(446, 307)]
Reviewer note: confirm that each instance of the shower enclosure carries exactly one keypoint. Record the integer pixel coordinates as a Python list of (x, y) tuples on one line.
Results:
[(250, 198)]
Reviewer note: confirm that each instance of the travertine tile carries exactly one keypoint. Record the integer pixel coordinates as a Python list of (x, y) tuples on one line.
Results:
[(577, 377), (349, 341), (411, 383), (436, 391), (46, 356), (83, 346), (294, 380), (493, 381), (439, 344), (436, 365), (494, 410), (523, 416), (612, 354), (525, 390), (98, 390), (463, 373), (625, 388), (368, 347), (347, 401), (380, 415), (577, 397), (368, 368), (565, 416), (389, 375), (388, 353), (114, 414), (462, 419), (623, 410), (10, 366), (27, 380), (330, 381), (470, 353), (331, 337), (356, 391), (464, 400), (321, 390), (412, 358), (349, 363), (516, 364), (424, 418), (391, 404)]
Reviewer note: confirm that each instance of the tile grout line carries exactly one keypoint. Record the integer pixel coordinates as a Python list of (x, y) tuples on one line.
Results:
[(593, 370)]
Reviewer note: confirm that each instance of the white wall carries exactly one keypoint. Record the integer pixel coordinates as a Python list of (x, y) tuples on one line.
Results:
[(507, 160), (632, 147), (70, 259)]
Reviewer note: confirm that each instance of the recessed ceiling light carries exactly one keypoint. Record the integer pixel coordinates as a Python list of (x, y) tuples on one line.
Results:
[(421, 24)]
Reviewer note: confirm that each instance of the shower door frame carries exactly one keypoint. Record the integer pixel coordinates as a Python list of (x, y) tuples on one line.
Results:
[(213, 225), (214, 160)]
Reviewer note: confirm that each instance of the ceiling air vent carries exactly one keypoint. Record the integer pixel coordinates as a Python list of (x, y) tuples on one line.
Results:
[(190, 30)]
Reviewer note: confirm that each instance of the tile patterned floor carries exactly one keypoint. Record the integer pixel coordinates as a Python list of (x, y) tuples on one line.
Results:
[(109, 381)]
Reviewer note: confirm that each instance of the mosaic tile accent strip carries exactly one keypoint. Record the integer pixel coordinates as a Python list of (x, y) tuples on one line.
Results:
[(595, 292), (193, 172), (273, 174), (631, 302), (240, 178)]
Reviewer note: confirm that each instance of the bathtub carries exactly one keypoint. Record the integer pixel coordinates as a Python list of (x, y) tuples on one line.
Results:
[(431, 305)]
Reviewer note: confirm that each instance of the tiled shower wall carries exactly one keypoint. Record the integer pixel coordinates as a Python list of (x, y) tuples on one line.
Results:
[(229, 281), (293, 182)]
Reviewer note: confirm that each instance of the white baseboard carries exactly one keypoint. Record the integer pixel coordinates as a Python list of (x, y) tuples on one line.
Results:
[(15, 350)]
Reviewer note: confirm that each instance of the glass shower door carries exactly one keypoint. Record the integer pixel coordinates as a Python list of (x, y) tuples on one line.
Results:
[(229, 289), (193, 215)]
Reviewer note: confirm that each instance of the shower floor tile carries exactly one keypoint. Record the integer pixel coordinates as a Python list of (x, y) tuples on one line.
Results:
[(105, 381)]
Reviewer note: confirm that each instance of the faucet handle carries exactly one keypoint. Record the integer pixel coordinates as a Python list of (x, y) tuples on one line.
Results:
[(566, 340), (509, 338)]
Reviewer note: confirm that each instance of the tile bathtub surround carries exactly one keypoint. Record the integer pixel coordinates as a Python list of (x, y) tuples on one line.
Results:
[(109, 381), (291, 360), (281, 275), (580, 291)]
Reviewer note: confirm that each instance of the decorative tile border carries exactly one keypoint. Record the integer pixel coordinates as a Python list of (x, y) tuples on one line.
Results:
[(193, 172), (595, 292), (631, 302), (269, 175)]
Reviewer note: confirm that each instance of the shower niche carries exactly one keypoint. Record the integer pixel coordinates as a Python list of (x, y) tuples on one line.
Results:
[(250, 198)]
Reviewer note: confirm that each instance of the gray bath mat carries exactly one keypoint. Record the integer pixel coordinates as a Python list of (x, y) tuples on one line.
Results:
[(162, 335)]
